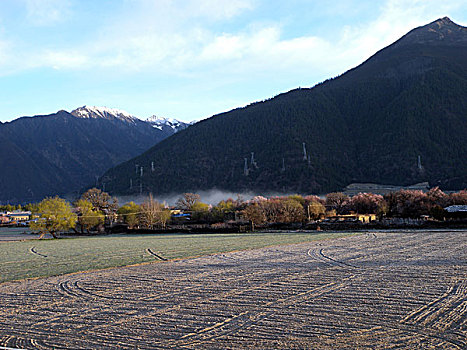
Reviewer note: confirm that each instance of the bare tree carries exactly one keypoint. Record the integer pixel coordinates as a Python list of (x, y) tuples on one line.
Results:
[(154, 213), (149, 211), (101, 200), (187, 201), (163, 217)]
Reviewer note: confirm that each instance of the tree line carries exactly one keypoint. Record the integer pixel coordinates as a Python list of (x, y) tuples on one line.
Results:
[(97, 209)]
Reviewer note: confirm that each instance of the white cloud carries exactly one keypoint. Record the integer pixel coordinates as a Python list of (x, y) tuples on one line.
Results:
[(64, 60), (47, 12), (218, 9), (175, 37)]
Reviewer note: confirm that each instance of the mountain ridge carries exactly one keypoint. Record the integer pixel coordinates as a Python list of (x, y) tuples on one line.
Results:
[(370, 124), (61, 153)]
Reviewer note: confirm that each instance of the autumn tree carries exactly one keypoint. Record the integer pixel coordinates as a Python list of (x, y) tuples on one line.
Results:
[(200, 211), (55, 215), (407, 203), (437, 197), (291, 211), (365, 203), (458, 198), (130, 213), (297, 198), (223, 210), (163, 217), (272, 209), (254, 214), (315, 210), (336, 201), (88, 217)]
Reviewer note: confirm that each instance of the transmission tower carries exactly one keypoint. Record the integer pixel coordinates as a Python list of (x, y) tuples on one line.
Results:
[(253, 162), (245, 168)]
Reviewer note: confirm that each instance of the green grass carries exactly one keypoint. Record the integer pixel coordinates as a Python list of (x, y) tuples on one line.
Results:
[(70, 255)]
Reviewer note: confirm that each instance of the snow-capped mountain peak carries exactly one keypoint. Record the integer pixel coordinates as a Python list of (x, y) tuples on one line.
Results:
[(161, 122), (103, 112)]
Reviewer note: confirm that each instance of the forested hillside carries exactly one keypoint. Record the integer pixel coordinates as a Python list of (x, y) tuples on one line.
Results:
[(61, 153), (372, 124)]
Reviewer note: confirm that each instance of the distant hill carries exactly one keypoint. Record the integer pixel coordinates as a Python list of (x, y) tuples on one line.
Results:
[(399, 118), (63, 152)]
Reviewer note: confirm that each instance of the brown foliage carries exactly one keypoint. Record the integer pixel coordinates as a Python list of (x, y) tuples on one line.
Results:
[(365, 203), (337, 201)]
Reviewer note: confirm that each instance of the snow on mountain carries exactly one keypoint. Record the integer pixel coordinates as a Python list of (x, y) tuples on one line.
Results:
[(161, 122), (103, 112), (168, 124)]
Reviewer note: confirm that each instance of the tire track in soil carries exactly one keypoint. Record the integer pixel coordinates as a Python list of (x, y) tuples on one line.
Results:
[(12, 342), (447, 306), (248, 319), (223, 295), (33, 251), (156, 255), (71, 288), (319, 255), (428, 331), (443, 312), (254, 318)]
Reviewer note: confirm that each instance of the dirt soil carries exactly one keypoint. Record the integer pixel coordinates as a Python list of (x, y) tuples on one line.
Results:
[(373, 291)]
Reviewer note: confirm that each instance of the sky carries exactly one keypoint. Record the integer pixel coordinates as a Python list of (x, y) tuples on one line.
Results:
[(188, 59)]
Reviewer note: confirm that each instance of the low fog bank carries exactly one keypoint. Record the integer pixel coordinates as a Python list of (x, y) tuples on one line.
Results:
[(210, 197)]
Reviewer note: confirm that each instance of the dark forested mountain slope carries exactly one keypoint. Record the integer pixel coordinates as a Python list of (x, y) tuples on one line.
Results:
[(369, 125), (62, 152)]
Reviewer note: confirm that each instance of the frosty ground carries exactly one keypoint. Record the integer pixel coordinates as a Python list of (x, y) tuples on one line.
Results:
[(375, 290)]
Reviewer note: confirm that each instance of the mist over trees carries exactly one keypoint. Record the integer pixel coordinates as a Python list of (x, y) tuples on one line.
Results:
[(96, 210)]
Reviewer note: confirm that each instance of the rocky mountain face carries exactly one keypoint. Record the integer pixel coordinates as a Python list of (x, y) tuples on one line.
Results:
[(63, 152), (399, 118)]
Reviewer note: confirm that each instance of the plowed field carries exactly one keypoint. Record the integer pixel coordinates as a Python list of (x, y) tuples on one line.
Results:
[(380, 290)]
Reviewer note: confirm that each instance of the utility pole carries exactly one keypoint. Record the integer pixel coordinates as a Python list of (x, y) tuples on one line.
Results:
[(419, 163), (152, 166), (304, 151)]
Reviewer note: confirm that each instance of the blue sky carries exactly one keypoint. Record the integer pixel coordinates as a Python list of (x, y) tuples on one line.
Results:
[(188, 59)]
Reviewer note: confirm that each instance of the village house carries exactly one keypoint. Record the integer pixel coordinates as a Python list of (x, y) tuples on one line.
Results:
[(19, 216), (4, 218), (364, 218)]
